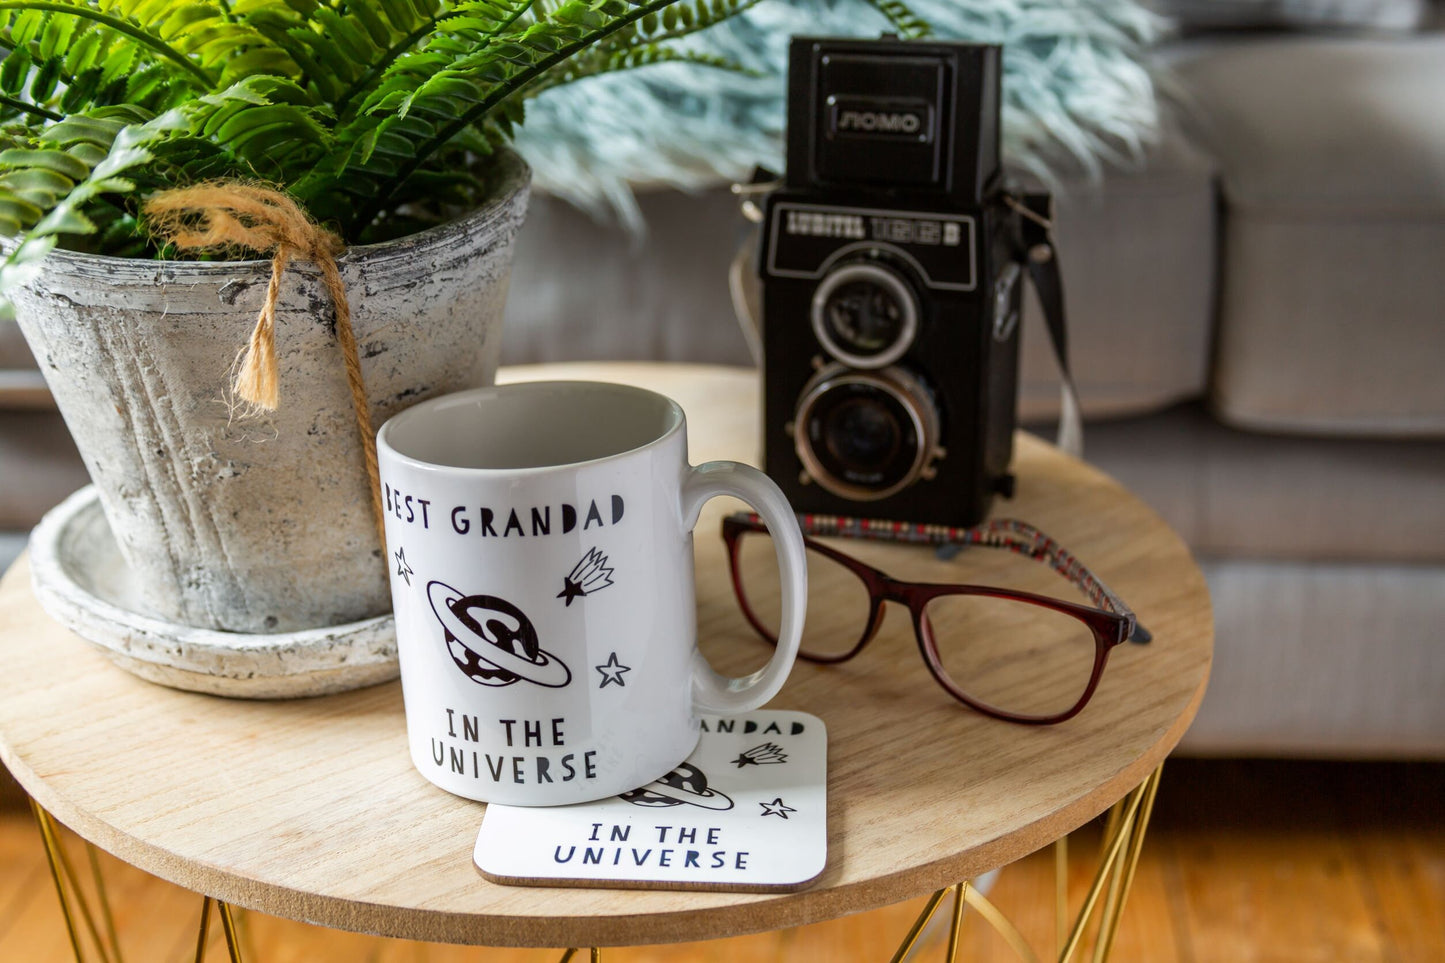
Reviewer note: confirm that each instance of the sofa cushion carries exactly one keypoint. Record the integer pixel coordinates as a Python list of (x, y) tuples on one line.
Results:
[(1243, 494), (1295, 14), (1138, 258), (1323, 125), (1137, 252), (1332, 157), (1324, 660), (587, 291)]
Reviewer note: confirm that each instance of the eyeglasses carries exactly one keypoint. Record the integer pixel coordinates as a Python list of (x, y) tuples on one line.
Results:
[(1011, 654)]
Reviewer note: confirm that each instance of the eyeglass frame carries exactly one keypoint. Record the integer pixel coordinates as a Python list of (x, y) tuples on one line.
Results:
[(1111, 624)]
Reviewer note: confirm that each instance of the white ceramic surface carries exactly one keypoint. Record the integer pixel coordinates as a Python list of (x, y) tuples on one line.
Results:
[(83, 582), (542, 580)]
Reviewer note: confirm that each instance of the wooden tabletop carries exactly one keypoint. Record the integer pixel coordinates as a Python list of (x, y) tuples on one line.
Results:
[(311, 810)]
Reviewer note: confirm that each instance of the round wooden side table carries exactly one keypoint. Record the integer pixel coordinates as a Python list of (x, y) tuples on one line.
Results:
[(310, 809)]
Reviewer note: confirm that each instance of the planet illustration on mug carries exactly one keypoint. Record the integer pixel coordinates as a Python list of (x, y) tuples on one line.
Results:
[(492, 641)]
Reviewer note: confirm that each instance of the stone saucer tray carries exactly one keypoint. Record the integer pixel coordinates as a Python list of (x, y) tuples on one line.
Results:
[(82, 581)]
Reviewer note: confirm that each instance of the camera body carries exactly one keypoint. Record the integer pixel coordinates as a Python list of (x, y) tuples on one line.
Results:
[(890, 285)]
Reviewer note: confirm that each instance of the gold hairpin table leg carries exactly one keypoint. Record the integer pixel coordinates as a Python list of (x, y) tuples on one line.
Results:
[(47, 838), (228, 927), (74, 906), (76, 909), (1002, 925), (1119, 853), (1119, 857), (204, 930), (1124, 878), (104, 898), (953, 930), (918, 925), (1061, 893)]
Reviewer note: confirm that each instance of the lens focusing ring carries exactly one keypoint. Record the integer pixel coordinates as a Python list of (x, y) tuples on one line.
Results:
[(865, 272), (891, 385)]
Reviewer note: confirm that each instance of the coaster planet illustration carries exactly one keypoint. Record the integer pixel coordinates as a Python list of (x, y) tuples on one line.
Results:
[(685, 785)]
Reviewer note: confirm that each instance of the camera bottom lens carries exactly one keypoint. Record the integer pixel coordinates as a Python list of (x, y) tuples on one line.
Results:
[(865, 435)]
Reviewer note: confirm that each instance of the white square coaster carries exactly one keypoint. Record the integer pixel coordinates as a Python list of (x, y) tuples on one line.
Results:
[(747, 811)]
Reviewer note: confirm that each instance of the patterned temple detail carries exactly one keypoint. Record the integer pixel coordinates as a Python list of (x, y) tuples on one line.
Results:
[(1012, 534)]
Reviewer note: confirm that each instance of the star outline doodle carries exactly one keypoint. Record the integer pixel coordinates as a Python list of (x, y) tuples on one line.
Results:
[(403, 567), (612, 671), (777, 808)]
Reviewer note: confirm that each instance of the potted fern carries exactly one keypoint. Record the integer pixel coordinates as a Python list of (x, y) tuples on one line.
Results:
[(387, 122)]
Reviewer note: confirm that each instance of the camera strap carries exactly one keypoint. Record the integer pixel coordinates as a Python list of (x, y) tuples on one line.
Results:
[(1040, 257)]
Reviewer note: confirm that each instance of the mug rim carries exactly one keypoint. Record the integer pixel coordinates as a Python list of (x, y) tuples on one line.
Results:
[(397, 421)]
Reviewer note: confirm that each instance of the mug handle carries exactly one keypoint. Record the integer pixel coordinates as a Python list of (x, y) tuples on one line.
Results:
[(711, 691)]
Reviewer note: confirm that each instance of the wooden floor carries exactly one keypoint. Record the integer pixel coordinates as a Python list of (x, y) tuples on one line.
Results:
[(1246, 862)]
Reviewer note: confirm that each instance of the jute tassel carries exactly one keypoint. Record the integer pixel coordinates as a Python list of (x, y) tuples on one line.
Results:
[(226, 215)]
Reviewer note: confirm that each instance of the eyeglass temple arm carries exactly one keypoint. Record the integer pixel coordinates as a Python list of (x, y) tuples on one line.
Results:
[(1023, 538), (1009, 533)]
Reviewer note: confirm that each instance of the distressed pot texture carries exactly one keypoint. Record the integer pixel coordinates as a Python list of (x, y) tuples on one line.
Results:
[(261, 523)]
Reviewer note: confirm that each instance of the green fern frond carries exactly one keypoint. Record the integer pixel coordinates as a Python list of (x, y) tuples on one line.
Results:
[(119, 24), (336, 52), (688, 17), (474, 85), (377, 115), (608, 58), (207, 33), (908, 24), (644, 42), (270, 126), (60, 62), (45, 190)]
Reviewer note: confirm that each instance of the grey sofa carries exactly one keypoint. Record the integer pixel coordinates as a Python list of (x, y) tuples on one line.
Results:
[(1258, 326), (1258, 332)]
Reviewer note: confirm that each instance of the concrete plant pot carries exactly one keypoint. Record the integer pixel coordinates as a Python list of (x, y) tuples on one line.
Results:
[(261, 524)]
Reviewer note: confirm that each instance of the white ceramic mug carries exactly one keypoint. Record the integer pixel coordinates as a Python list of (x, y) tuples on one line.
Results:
[(540, 546)]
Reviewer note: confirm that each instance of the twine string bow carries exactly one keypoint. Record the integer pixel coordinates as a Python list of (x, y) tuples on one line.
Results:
[(226, 215)]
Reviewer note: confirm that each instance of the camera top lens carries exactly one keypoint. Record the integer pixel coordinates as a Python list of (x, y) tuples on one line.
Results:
[(864, 314)]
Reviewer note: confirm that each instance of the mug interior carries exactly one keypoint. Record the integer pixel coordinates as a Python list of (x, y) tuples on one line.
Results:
[(531, 425)]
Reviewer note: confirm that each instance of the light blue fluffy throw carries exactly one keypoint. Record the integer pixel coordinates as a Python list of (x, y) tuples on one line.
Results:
[(1076, 95)]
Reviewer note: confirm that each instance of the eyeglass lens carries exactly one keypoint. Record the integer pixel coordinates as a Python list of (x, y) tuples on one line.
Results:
[(1018, 658), (838, 600), (1013, 656)]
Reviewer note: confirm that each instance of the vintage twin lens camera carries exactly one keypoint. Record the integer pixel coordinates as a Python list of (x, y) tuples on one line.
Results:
[(890, 285)]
